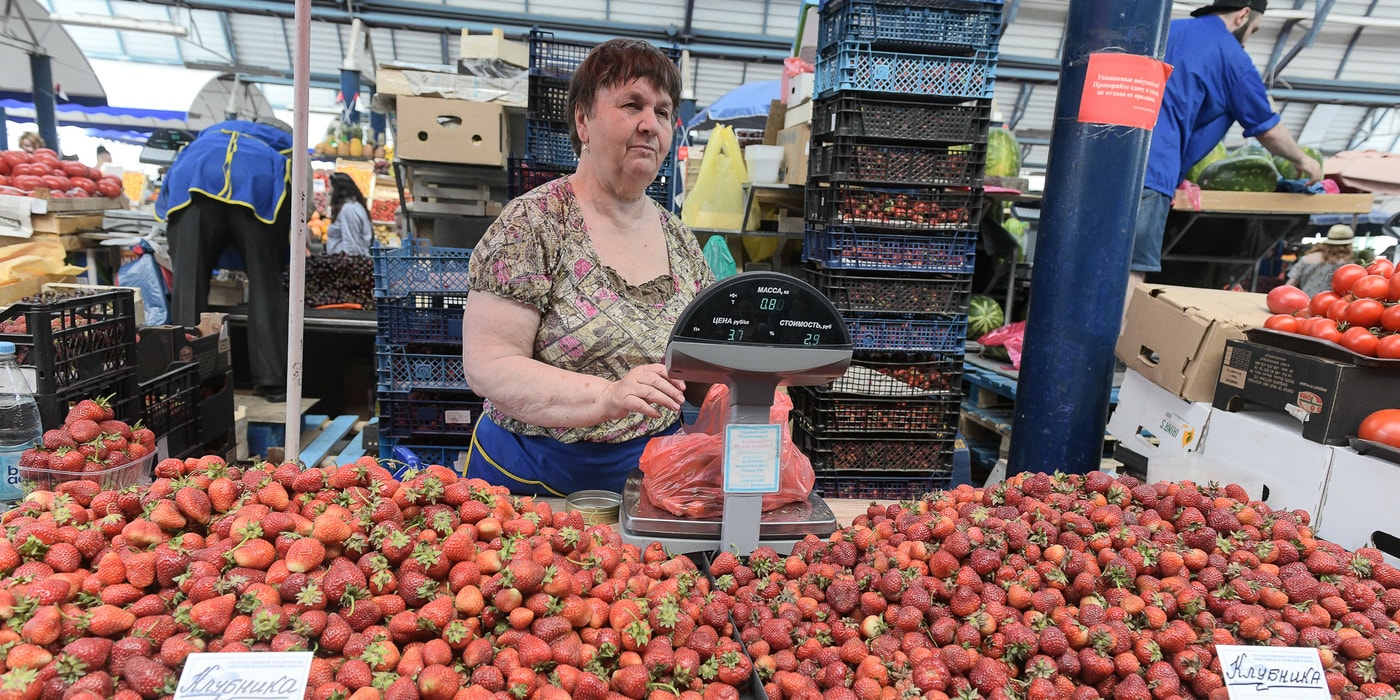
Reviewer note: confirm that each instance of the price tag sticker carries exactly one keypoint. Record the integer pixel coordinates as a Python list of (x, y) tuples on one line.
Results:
[(263, 676), (1275, 673), (751, 458)]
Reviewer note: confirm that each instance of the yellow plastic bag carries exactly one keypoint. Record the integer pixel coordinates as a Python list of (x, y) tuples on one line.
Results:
[(717, 201)]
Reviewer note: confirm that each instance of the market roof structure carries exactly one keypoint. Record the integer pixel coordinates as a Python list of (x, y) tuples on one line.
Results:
[(1330, 63)]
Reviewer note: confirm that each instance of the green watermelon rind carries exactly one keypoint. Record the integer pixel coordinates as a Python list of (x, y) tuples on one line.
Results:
[(1003, 153), (1245, 173), (984, 315), (1216, 154)]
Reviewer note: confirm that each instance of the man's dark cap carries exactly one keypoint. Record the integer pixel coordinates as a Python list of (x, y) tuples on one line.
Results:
[(1230, 5)]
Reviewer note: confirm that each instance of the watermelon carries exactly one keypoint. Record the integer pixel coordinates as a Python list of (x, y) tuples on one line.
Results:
[(1217, 153), (984, 315), (1288, 171), (1251, 149), (1003, 153), (1241, 174)]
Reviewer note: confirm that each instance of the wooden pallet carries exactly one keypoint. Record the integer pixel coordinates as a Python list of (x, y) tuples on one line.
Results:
[(332, 440), (453, 191)]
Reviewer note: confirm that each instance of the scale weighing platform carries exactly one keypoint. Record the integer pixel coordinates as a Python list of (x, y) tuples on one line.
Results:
[(752, 332)]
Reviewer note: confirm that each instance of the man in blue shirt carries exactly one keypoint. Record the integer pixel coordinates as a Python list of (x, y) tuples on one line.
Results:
[(1213, 85)]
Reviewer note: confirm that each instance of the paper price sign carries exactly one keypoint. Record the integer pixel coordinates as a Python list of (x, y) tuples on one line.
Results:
[(262, 676), (1276, 673), (751, 458)]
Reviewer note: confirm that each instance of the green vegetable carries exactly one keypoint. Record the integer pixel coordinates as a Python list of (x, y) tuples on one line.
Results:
[(984, 315), (1003, 154), (1288, 171), (1241, 174), (1251, 149), (1217, 153)]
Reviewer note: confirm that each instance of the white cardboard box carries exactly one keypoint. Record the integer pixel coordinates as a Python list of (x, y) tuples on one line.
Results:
[(1154, 422), (1358, 508), (1264, 452), (797, 115), (800, 88)]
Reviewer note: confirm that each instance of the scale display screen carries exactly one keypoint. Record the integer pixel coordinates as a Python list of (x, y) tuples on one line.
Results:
[(763, 308)]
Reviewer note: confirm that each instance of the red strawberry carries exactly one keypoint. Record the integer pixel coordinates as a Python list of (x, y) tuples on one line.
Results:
[(631, 681), (83, 430), (54, 439), (438, 682), (213, 616), (150, 678)]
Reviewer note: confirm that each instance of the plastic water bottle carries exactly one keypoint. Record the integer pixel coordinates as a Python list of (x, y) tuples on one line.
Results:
[(20, 428)]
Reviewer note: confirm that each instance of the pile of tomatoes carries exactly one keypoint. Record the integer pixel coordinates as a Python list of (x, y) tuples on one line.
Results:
[(22, 173), (1359, 313)]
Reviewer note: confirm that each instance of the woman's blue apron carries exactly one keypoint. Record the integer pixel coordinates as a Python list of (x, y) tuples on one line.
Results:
[(544, 466)]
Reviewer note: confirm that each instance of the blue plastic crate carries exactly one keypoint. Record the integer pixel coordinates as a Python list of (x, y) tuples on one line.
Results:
[(853, 67), (845, 248), (944, 335), (426, 454), (921, 26), (428, 414), (421, 318), (417, 267), (547, 143), (400, 369), (892, 293)]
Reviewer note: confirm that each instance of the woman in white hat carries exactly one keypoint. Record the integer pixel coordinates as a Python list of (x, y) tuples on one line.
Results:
[(1313, 272)]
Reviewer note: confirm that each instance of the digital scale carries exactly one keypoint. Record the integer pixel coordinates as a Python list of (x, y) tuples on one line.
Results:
[(752, 332)]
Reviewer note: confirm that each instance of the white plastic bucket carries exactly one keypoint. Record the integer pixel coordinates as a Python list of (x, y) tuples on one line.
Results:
[(763, 162)]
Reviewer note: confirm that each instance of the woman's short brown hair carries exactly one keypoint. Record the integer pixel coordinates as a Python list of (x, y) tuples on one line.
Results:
[(618, 62)]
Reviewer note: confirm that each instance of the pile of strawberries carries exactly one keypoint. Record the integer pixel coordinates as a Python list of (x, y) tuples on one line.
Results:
[(91, 440), (1061, 587), (435, 587)]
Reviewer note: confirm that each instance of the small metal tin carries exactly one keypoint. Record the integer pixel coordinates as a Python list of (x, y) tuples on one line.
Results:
[(598, 507)]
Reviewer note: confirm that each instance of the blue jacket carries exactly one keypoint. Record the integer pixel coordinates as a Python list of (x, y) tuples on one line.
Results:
[(235, 161), (1213, 85)]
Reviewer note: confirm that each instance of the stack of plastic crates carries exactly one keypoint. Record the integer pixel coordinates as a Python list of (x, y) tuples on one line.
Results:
[(899, 148), (548, 152), (424, 402)]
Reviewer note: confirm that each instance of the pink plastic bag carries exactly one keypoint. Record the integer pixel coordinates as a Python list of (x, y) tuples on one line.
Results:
[(1012, 336), (683, 472)]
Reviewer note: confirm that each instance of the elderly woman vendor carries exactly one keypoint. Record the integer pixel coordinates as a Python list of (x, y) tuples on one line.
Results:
[(574, 290)]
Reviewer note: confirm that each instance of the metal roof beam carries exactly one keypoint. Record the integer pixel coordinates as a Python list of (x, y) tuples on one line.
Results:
[(1280, 43), (448, 18), (1320, 18), (1009, 15), (1023, 101), (1355, 37)]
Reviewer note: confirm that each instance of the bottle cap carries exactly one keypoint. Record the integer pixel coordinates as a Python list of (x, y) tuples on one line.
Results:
[(7, 348)]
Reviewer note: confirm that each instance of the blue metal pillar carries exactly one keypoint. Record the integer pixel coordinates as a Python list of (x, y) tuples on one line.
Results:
[(378, 122), (4, 135), (1092, 188), (41, 74), (350, 92)]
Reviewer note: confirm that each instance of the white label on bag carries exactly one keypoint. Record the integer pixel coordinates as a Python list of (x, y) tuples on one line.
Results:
[(263, 676), (1282, 673)]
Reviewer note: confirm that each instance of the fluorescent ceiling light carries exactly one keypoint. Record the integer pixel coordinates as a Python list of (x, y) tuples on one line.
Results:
[(126, 24)]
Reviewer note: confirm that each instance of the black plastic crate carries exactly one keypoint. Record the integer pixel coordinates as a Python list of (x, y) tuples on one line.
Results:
[(929, 457), (428, 414), (121, 389), (888, 374), (828, 415), (422, 318), (73, 343), (526, 176), (170, 406), (880, 488), (872, 118), (856, 67), (917, 26), (907, 209), (848, 249), (549, 99), (560, 59), (892, 293), (934, 166)]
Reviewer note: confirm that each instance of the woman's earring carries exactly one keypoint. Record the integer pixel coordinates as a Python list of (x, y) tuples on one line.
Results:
[(585, 148)]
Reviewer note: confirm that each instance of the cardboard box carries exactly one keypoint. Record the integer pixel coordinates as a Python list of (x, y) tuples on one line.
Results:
[(1175, 336), (494, 46), (1358, 507), (228, 292), (452, 131), (797, 145), (431, 80), (1275, 203), (798, 114), (1262, 453), (1328, 397), (1153, 422), (799, 89)]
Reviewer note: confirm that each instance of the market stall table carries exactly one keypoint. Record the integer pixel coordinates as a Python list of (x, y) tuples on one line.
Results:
[(1219, 239)]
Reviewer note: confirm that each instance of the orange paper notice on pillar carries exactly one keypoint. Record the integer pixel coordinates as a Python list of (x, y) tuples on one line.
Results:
[(1123, 90)]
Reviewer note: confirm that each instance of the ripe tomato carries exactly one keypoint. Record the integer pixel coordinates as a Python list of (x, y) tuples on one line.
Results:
[(1324, 328), (1346, 276), (16, 157), (1282, 322), (56, 182), (1390, 318), (1286, 299), (1365, 313), (1371, 287), (1382, 267), (1360, 341), (28, 183), (1383, 426), (1388, 347), (73, 168), (110, 187), (4, 167), (1393, 294), (86, 185), (1338, 310), (1321, 302)]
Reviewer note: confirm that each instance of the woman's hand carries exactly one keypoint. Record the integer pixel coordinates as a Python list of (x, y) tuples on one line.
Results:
[(645, 390)]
